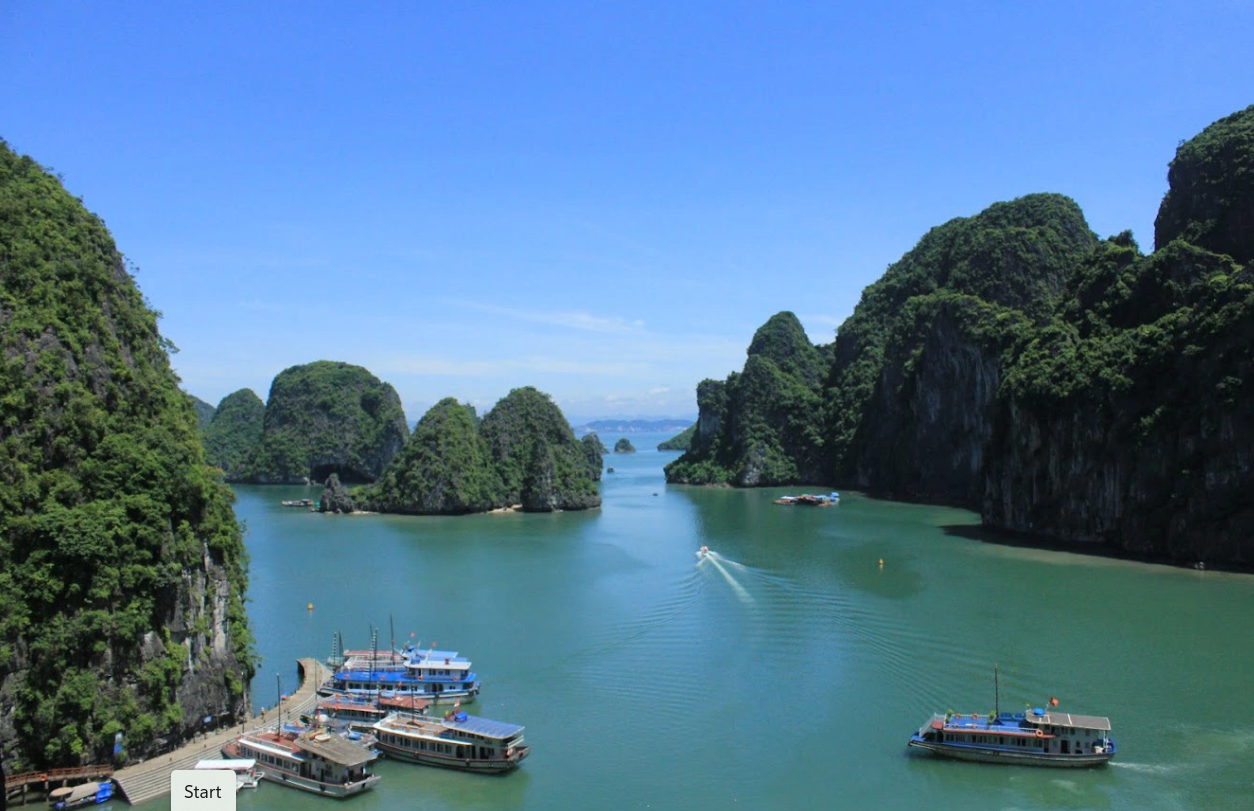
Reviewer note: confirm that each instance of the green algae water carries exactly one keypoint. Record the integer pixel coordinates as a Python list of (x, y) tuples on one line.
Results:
[(789, 675)]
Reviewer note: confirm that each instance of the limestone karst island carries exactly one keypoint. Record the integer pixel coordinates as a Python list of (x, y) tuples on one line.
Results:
[(1034, 440)]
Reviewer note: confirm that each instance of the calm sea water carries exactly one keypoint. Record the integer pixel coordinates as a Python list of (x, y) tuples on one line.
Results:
[(786, 673)]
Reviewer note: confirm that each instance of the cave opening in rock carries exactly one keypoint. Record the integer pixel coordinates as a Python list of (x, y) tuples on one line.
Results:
[(347, 475)]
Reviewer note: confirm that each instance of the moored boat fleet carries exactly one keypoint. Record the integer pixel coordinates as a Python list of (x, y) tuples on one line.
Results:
[(379, 703)]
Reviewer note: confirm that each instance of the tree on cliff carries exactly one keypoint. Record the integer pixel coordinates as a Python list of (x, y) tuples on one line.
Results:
[(114, 533), (234, 433), (327, 417)]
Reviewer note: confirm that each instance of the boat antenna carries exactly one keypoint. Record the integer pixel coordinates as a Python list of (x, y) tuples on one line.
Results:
[(996, 692), (278, 689), (374, 667), (392, 649)]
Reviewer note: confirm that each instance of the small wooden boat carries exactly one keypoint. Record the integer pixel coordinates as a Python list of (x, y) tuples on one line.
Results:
[(81, 795), (810, 500)]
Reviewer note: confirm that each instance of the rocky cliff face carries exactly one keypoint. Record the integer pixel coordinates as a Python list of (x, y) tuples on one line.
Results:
[(523, 452), (594, 451), (327, 417), (762, 425), (122, 567), (335, 497), (234, 433), (1132, 427), (534, 451), (444, 468)]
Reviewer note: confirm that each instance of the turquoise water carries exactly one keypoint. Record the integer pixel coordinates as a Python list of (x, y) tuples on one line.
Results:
[(788, 672)]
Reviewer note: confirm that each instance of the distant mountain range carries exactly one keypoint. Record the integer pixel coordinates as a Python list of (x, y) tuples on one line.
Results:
[(634, 426)]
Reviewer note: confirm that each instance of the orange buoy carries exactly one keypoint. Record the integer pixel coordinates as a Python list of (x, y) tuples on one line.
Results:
[(309, 607), (881, 561)]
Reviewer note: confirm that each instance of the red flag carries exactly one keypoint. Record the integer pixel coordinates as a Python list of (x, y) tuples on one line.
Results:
[(1053, 702)]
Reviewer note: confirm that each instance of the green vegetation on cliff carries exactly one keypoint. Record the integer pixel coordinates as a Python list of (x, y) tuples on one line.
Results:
[(681, 441), (763, 425), (117, 541), (327, 417), (533, 449), (522, 452), (624, 445), (1011, 362), (594, 451), (204, 411), (443, 468), (233, 435)]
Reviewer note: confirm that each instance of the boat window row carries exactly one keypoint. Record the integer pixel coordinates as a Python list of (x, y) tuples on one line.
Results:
[(417, 743), (992, 740)]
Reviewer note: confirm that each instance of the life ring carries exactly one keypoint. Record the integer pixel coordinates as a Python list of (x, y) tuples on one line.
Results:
[(43, 778), (1040, 734)]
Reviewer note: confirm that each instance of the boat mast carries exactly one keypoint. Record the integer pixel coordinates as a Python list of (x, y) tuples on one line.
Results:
[(996, 692), (392, 649), (278, 694)]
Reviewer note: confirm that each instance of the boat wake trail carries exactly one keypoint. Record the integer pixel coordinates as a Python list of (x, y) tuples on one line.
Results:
[(717, 564)]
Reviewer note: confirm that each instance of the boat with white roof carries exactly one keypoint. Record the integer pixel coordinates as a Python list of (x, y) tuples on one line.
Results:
[(458, 741), (313, 760)]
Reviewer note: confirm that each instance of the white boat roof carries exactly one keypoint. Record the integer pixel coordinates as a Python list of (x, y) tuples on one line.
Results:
[(267, 747), (1064, 719), (234, 764)]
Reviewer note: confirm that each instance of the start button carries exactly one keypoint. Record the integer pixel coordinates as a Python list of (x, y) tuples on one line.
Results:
[(202, 790)]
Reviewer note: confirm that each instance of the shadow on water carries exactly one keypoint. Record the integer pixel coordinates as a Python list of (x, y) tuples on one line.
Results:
[(1024, 540)]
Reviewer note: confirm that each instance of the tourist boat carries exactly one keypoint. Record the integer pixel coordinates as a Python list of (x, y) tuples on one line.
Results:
[(246, 774), (459, 741), (810, 500), (361, 713), (438, 677), (81, 795), (300, 502), (313, 760), (1032, 738)]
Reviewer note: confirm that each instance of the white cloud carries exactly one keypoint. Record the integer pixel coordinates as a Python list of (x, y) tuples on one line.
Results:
[(570, 319)]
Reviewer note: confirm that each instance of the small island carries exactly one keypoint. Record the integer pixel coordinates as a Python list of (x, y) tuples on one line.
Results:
[(624, 446)]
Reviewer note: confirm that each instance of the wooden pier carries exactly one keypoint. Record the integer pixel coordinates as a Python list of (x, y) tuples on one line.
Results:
[(16, 786), (150, 779)]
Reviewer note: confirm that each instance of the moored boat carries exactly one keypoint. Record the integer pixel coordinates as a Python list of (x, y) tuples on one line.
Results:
[(438, 677), (458, 741), (810, 500), (315, 761), (246, 774), (81, 795), (363, 712)]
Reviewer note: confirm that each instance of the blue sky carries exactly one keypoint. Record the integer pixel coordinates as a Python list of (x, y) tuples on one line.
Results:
[(603, 200)]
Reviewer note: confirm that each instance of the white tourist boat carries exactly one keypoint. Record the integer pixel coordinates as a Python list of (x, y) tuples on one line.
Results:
[(458, 741)]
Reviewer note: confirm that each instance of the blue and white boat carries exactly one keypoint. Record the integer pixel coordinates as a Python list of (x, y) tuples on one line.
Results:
[(434, 676), (1032, 738)]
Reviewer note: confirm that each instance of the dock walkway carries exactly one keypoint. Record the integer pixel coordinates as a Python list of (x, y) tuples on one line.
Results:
[(151, 779)]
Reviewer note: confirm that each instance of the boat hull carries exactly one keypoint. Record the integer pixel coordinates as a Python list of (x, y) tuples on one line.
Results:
[(450, 762), (434, 699), (985, 754), (337, 790)]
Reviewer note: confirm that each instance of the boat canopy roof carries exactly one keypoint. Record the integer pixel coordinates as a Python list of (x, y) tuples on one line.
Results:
[(1063, 719), (234, 764), (335, 750), (483, 726)]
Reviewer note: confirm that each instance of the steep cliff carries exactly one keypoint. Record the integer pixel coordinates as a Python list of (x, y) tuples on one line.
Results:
[(917, 371), (122, 567), (327, 417), (204, 411), (1129, 422), (444, 468), (234, 433), (1210, 202), (594, 451), (763, 425), (534, 451)]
